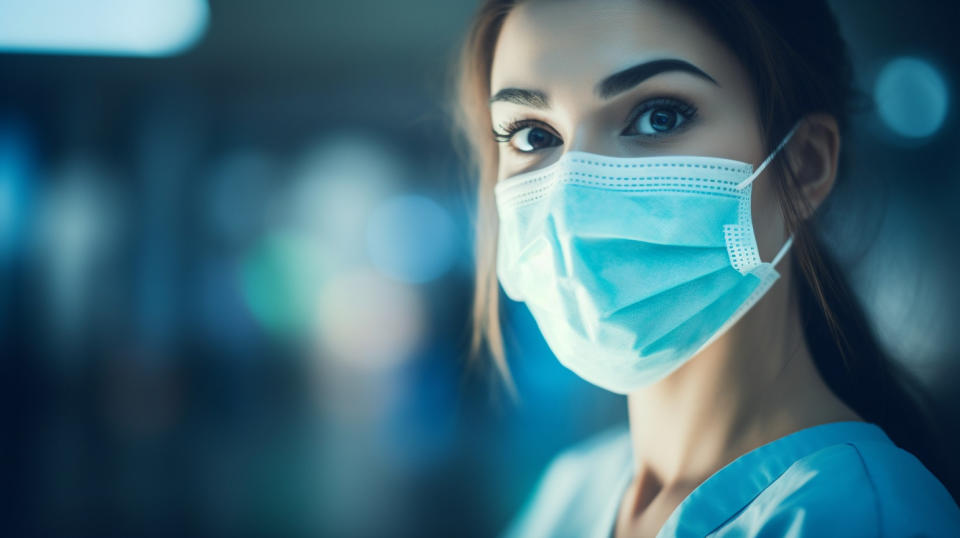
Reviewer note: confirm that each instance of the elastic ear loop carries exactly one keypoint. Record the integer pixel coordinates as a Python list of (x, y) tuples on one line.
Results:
[(783, 251), (743, 184)]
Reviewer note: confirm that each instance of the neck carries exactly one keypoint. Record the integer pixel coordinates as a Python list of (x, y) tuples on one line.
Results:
[(753, 385)]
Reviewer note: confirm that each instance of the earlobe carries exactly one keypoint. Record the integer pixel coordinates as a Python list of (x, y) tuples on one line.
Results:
[(813, 156)]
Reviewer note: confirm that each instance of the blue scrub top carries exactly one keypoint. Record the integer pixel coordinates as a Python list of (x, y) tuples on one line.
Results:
[(834, 479)]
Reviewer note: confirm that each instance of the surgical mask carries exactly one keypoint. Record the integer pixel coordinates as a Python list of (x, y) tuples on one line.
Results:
[(630, 266)]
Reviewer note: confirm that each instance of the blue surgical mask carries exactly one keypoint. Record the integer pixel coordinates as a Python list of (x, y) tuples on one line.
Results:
[(630, 266)]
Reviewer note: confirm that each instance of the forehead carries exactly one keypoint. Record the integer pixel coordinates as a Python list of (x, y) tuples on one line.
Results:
[(572, 44)]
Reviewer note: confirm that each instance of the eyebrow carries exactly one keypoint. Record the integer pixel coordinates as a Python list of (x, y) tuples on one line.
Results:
[(622, 81), (609, 87), (520, 96)]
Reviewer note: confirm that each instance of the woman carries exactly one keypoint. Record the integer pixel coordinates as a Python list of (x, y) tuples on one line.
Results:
[(649, 172)]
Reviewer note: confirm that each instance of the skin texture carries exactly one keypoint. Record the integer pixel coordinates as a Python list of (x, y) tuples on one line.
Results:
[(757, 382)]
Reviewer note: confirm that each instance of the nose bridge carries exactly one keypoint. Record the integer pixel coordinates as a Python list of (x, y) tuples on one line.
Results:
[(589, 138)]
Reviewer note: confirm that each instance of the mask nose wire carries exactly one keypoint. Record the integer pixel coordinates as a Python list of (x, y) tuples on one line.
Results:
[(769, 158)]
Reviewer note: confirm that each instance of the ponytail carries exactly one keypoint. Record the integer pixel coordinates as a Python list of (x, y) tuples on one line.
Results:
[(854, 366)]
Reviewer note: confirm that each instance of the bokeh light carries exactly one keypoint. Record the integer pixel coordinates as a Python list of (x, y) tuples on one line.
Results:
[(411, 238), (16, 169), (335, 185), (102, 27), (78, 230), (912, 97), (367, 321), (904, 298), (281, 277)]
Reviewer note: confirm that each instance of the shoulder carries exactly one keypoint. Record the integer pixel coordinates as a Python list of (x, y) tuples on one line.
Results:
[(865, 489), (909, 497), (574, 485)]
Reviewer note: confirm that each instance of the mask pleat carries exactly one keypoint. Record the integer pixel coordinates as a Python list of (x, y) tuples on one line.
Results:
[(691, 333)]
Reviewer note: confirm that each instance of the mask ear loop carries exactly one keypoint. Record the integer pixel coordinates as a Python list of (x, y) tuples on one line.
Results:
[(783, 251), (743, 184)]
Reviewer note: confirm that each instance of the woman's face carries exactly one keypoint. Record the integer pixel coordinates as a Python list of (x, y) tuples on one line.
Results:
[(626, 78)]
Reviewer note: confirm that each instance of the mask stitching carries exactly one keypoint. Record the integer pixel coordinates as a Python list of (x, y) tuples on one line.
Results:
[(527, 201), (621, 184), (616, 180), (517, 181), (652, 165)]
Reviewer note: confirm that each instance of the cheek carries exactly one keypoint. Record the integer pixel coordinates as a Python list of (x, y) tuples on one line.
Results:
[(768, 221)]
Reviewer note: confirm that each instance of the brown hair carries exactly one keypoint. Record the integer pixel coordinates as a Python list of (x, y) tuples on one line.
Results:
[(798, 63)]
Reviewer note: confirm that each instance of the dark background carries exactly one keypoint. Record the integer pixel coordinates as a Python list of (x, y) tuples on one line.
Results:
[(235, 282)]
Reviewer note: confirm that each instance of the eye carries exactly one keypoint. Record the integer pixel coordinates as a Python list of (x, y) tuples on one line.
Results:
[(526, 137), (531, 138), (659, 116)]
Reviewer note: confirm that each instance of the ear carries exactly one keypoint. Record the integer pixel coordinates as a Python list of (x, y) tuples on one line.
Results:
[(812, 154)]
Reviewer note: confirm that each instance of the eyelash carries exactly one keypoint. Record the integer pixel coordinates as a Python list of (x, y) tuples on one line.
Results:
[(687, 110)]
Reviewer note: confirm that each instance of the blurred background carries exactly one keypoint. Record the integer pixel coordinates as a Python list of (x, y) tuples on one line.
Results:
[(235, 267)]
